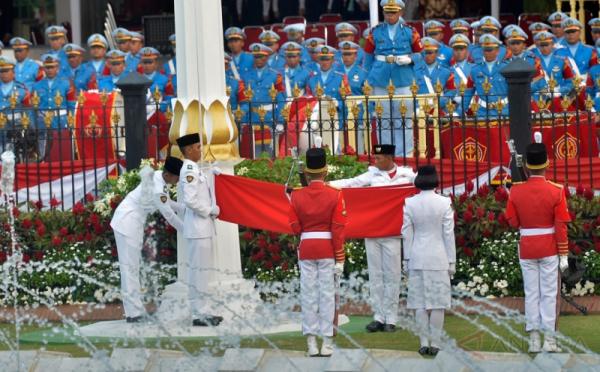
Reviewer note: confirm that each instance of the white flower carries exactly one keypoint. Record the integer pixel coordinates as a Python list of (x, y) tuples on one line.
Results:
[(242, 171), (477, 279)]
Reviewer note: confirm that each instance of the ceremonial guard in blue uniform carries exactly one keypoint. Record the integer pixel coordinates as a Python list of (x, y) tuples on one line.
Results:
[(170, 67), (594, 24), (593, 82), (488, 70), (135, 46), (97, 46), (555, 67), (327, 78), (435, 30), (270, 39), (52, 86), (240, 60), (122, 37), (461, 67), (261, 78), (581, 56), (356, 76), (149, 60), (313, 45), (488, 25), (460, 26), (537, 27), (331, 82), (9, 86), (116, 65), (27, 71), (295, 33), (294, 74), (82, 75), (430, 71), (516, 43), (391, 49), (234, 86), (555, 19), (57, 38), (347, 32)]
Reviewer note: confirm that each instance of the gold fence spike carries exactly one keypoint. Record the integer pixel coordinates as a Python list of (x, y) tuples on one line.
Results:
[(48, 116), (391, 89), (58, 99), (35, 99)]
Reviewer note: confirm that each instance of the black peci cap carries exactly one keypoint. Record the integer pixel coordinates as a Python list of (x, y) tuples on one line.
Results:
[(427, 178), (188, 139), (173, 165), (384, 149), (536, 155), (316, 160)]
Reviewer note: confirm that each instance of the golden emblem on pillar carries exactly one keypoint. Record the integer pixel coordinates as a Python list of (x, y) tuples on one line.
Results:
[(470, 150), (566, 147)]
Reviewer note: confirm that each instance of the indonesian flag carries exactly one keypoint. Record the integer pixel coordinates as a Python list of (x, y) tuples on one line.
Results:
[(296, 123), (67, 182), (372, 212)]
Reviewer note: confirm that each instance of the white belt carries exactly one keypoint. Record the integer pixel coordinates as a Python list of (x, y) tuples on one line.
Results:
[(389, 59), (267, 108), (483, 104), (315, 235), (538, 231)]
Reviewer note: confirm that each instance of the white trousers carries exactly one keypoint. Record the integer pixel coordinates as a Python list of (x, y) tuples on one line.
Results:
[(130, 255), (317, 293), (200, 258), (385, 270), (540, 279)]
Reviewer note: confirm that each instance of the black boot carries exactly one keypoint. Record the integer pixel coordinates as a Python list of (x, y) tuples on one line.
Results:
[(375, 326), (209, 320), (424, 350), (134, 319)]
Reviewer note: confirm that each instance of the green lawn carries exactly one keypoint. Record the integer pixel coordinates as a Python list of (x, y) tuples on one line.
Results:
[(583, 329)]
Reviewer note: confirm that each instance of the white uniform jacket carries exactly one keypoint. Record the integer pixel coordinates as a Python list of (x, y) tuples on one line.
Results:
[(194, 192), (376, 177), (130, 216), (428, 232)]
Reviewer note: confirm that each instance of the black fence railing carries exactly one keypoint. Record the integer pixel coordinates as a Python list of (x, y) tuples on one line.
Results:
[(65, 153), (464, 135)]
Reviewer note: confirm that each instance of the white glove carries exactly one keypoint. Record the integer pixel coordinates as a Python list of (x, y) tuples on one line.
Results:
[(216, 171), (405, 266), (215, 211), (403, 60), (279, 128), (314, 125), (339, 268), (452, 269), (563, 264)]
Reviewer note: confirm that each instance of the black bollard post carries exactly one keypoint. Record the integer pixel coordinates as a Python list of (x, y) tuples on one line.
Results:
[(133, 88), (518, 75)]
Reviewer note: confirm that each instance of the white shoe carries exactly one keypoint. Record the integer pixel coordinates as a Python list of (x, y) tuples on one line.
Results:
[(535, 342), (550, 345), (327, 347), (313, 349)]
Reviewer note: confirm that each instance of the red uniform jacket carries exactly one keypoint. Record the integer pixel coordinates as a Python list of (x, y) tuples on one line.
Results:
[(539, 203), (319, 208)]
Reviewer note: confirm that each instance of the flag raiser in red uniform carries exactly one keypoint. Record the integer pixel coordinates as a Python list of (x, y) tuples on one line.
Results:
[(263, 205)]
